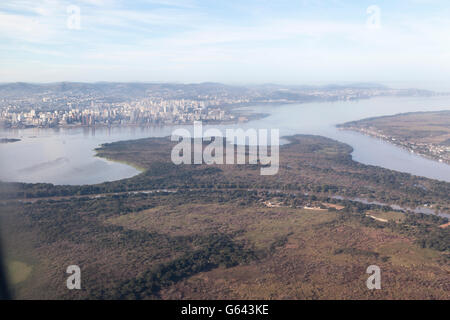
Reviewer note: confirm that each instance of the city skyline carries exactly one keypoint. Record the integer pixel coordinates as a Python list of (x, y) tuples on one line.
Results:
[(107, 104), (195, 41)]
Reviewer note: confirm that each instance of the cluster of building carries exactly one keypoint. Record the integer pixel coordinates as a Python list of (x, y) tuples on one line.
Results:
[(349, 94), (435, 151), (71, 104), (141, 112)]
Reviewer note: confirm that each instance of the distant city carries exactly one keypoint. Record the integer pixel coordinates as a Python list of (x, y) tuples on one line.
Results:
[(118, 104), (142, 112)]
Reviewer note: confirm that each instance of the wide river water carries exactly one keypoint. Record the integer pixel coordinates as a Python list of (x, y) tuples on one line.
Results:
[(67, 156)]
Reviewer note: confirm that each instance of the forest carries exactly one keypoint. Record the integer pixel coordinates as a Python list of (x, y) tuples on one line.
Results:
[(207, 231)]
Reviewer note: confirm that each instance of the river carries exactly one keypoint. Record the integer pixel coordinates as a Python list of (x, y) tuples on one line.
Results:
[(67, 156)]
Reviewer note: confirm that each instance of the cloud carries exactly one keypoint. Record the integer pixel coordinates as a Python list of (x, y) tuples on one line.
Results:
[(172, 39)]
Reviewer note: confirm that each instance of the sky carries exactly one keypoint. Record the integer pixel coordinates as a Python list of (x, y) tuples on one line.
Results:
[(233, 41)]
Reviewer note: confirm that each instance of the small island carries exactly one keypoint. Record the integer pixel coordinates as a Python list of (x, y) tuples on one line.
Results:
[(6, 140), (423, 133)]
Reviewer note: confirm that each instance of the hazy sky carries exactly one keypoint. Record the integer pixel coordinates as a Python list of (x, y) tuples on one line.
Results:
[(232, 41)]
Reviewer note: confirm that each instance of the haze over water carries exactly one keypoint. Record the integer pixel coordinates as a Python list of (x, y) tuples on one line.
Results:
[(67, 156)]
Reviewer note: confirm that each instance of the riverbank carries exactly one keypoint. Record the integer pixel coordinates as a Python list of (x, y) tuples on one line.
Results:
[(99, 153), (426, 134), (238, 116), (77, 144), (6, 140)]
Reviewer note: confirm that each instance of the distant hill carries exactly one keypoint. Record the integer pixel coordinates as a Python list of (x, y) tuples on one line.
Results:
[(118, 91), (138, 88), (115, 89)]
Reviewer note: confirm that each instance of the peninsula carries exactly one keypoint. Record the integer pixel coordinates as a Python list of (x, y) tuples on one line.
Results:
[(423, 133)]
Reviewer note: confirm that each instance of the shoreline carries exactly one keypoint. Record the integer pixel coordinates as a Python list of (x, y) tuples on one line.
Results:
[(7, 140), (98, 154), (231, 107), (117, 133), (422, 133), (395, 143), (249, 118)]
